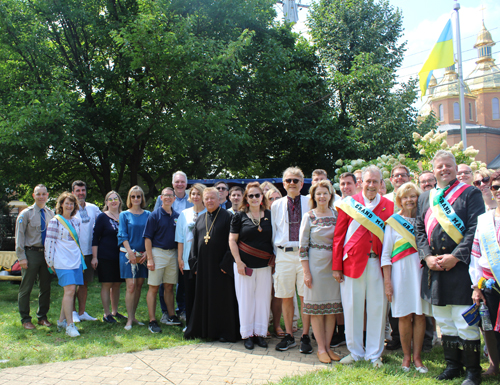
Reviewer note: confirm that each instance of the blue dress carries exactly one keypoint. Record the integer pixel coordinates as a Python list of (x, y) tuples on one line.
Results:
[(131, 229)]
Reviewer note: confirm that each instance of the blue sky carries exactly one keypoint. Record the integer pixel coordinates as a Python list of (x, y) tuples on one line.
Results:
[(424, 20)]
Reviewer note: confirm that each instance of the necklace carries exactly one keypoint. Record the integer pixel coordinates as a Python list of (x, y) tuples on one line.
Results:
[(207, 236), (255, 221), (113, 216)]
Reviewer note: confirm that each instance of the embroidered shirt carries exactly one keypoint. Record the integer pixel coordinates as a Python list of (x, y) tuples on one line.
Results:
[(294, 217)]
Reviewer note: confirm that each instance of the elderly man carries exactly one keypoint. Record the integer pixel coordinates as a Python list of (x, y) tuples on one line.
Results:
[(87, 213), (286, 215), (31, 228), (161, 250), (223, 189), (235, 196), (357, 246), (215, 309), (427, 180), (446, 223), (179, 182), (464, 174)]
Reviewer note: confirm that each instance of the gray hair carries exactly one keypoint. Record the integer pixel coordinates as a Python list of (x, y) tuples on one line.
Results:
[(179, 173), (372, 169), (443, 154), (294, 171)]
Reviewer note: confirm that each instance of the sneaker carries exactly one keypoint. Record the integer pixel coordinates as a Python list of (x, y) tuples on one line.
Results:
[(119, 316), (337, 340), (86, 317), (174, 320), (71, 330), (377, 363), (286, 343), (109, 319), (76, 318), (388, 336), (153, 327), (61, 325), (347, 360), (182, 316), (305, 344), (164, 318)]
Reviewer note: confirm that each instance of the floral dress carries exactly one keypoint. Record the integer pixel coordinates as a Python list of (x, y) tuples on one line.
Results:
[(316, 238)]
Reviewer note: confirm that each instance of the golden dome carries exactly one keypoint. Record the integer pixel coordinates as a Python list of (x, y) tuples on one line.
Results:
[(484, 38), (433, 82), (448, 86)]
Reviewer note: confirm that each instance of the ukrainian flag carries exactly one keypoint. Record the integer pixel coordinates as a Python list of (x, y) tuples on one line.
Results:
[(441, 56)]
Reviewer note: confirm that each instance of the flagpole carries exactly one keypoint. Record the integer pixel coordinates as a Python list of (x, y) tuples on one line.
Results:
[(456, 7)]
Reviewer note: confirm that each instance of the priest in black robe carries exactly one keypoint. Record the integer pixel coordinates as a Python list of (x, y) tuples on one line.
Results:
[(215, 311)]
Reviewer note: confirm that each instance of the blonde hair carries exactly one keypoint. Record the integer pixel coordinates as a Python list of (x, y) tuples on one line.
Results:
[(484, 172), (129, 200), (209, 190), (322, 183), (198, 187), (270, 192), (106, 200), (405, 188)]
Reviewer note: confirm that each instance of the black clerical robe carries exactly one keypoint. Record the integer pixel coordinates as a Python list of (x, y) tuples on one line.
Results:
[(215, 310)]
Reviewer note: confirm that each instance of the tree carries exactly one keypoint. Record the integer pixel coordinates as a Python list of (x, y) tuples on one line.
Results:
[(358, 41), (124, 92)]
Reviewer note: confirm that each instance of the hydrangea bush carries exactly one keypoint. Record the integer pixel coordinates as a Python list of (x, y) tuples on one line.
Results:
[(426, 145)]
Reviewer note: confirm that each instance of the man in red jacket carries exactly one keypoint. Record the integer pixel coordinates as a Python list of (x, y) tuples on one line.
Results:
[(357, 246)]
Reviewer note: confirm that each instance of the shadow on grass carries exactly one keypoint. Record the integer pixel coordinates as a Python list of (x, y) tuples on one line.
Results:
[(28, 347)]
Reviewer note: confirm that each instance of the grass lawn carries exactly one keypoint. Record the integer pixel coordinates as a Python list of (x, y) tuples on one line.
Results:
[(389, 374), (28, 347)]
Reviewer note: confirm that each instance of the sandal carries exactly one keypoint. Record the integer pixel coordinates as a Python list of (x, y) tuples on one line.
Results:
[(279, 333)]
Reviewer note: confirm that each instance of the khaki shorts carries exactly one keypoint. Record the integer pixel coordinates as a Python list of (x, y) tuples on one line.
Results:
[(166, 267), (88, 274), (288, 274)]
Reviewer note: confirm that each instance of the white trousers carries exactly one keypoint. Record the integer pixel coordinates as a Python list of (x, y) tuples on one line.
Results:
[(254, 301), (369, 289), (450, 321)]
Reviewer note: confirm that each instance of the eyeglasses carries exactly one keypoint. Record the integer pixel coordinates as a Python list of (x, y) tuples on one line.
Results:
[(251, 196), (113, 199), (136, 196), (221, 188), (295, 181), (485, 180), (429, 181), (400, 175), (168, 195), (495, 187), (271, 199), (464, 173)]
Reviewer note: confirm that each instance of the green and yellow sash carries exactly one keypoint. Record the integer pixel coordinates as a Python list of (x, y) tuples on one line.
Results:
[(68, 226)]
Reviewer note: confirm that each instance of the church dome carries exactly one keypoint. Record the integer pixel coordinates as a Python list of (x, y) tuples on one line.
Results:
[(484, 38), (448, 86)]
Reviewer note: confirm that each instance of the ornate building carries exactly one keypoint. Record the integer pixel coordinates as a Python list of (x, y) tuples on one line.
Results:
[(482, 109)]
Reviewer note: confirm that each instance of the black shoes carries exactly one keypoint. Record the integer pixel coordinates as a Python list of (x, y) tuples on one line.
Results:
[(305, 344), (393, 345), (337, 340), (286, 343), (249, 343), (109, 319), (154, 327), (260, 341)]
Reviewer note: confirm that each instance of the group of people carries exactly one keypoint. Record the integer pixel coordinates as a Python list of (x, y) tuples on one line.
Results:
[(411, 259)]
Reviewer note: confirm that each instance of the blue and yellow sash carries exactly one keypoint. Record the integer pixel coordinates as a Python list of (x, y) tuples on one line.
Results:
[(407, 245), (364, 216), (68, 226), (440, 204), (489, 242)]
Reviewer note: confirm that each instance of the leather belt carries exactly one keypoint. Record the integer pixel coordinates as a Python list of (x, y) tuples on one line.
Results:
[(372, 255), (39, 249), (288, 249)]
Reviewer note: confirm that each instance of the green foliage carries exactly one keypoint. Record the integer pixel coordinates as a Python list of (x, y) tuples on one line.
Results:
[(359, 43)]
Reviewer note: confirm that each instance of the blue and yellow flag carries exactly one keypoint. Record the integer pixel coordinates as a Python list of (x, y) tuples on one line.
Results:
[(441, 56)]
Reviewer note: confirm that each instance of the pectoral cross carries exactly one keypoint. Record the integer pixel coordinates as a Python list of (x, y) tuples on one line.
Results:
[(206, 237)]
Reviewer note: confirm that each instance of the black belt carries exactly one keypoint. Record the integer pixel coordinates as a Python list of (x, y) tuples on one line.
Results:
[(39, 249), (372, 255), (288, 249)]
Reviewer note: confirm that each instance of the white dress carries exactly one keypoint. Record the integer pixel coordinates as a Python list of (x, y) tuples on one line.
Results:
[(406, 278)]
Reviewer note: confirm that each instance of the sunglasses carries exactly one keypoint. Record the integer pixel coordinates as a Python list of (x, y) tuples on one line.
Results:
[(495, 187), (113, 199), (251, 196), (485, 180), (136, 196), (295, 181)]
